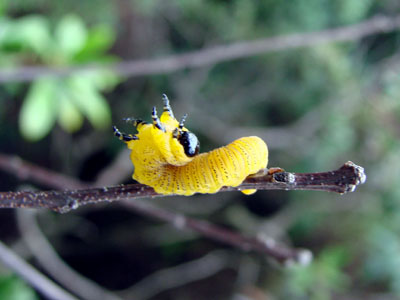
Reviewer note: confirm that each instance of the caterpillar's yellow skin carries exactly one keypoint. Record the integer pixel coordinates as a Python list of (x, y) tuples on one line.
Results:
[(160, 160)]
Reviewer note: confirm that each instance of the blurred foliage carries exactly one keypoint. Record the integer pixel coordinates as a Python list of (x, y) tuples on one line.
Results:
[(29, 40), (12, 287), (322, 105), (318, 280)]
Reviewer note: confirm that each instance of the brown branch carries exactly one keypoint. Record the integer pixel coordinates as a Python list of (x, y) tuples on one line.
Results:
[(216, 54), (343, 180)]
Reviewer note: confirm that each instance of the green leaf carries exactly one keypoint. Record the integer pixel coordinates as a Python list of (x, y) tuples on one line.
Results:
[(99, 39), (351, 11), (3, 8), (5, 26), (89, 101), (39, 110), (11, 287), (32, 31), (71, 34), (69, 115)]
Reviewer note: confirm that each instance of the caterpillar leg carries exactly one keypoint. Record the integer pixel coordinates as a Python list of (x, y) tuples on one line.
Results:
[(262, 172), (123, 136), (167, 108), (182, 122), (178, 131), (156, 120), (135, 122), (274, 170)]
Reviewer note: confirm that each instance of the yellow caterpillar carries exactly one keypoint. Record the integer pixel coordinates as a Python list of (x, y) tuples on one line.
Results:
[(166, 157)]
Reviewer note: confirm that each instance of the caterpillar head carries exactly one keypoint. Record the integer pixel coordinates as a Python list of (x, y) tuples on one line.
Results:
[(187, 139), (183, 144), (166, 137)]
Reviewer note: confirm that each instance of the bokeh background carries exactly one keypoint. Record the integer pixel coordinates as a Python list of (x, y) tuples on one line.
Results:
[(316, 106)]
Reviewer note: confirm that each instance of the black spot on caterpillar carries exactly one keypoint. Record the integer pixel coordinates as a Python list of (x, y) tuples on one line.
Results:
[(166, 156)]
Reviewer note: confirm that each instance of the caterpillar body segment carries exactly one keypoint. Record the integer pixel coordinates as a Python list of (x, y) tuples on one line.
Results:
[(208, 172), (165, 156), (249, 191), (156, 146)]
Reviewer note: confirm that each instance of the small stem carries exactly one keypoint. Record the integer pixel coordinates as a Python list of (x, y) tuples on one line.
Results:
[(25, 171), (51, 262), (343, 180), (32, 276), (268, 246)]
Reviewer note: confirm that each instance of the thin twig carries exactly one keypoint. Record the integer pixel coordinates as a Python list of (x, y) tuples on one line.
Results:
[(44, 285), (25, 171), (54, 265), (216, 54), (180, 275), (343, 180), (261, 244)]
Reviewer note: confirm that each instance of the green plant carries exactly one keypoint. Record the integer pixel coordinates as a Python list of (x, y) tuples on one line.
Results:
[(12, 287), (30, 40)]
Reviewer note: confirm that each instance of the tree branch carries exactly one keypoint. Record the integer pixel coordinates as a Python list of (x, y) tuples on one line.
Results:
[(216, 54), (343, 180)]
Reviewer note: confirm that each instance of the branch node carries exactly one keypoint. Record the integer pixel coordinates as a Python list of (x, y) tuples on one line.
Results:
[(285, 177), (303, 257), (359, 172), (70, 204)]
